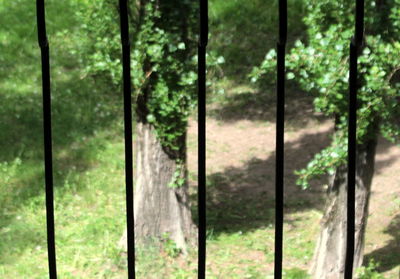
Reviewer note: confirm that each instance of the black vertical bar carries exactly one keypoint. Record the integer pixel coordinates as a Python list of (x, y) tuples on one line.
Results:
[(126, 66), (280, 126), (355, 46), (359, 25), (202, 138), (48, 153), (282, 21), (351, 170)]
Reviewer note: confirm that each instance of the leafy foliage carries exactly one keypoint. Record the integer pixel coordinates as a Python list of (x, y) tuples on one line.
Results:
[(169, 246), (243, 30), (178, 177), (162, 60), (369, 272), (320, 66)]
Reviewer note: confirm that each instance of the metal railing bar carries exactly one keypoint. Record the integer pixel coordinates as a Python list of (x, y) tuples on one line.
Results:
[(280, 126), (48, 153), (203, 40), (355, 46), (126, 67)]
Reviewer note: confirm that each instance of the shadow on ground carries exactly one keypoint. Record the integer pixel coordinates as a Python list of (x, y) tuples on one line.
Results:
[(260, 105), (242, 199), (77, 117), (383, 146), (388, 256)]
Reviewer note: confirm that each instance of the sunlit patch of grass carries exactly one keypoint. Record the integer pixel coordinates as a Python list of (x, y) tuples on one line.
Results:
[(90, 219)]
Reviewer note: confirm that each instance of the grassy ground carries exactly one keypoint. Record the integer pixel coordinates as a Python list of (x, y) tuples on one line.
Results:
[(89, 168), (90, 206)]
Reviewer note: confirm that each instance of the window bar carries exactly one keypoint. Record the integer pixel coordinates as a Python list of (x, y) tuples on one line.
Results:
[(48, 153), (280, 125), (202, 138), (355, 47), (126, 67)]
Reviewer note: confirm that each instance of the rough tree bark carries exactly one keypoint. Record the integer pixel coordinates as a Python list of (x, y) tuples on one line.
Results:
[(329, 256), (159, 209)]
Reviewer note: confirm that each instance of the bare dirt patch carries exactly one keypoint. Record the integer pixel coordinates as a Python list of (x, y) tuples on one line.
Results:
[(241, 169)]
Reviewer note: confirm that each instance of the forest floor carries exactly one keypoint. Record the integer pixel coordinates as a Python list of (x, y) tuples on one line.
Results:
[(240, 181)]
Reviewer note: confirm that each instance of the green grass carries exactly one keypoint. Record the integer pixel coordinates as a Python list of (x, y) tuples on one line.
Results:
[(90, 217), (89, 161), (243, 31)]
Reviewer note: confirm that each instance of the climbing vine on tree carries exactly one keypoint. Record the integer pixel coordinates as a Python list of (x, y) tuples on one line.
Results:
[(163, 47), (163, 37)]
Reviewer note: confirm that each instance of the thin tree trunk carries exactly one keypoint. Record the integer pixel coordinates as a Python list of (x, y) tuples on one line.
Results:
[(329, 256), (160, 210)]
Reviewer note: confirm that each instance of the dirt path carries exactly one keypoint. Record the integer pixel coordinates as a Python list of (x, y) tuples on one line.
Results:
[(241, 159)]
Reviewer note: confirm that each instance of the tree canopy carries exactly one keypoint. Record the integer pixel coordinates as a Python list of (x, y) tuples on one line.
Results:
[(320, 66)]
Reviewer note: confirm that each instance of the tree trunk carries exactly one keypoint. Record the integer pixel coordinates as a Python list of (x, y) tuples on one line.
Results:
[(160, 210), (329, 256)]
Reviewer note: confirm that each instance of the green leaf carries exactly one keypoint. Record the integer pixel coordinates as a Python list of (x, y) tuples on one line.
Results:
[(290, 75)]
